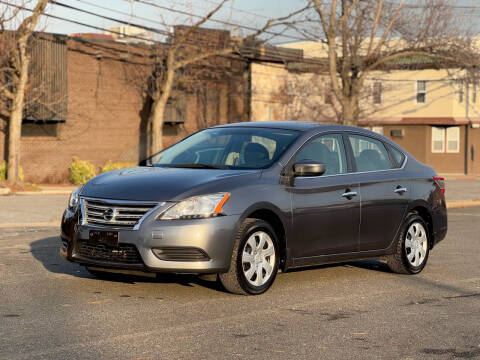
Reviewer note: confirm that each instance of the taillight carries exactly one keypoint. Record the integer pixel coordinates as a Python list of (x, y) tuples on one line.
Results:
[(441, 183)]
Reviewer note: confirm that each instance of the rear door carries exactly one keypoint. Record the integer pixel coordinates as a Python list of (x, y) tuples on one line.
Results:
[(326, 208), (384, 189)]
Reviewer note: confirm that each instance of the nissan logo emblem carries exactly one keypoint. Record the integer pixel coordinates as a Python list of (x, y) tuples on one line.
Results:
[(109, 214)]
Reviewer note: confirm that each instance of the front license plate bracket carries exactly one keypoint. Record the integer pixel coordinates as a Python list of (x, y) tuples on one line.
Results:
[(109, 238)]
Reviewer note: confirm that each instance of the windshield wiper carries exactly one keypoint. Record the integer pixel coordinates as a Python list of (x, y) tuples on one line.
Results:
[(196, 166)]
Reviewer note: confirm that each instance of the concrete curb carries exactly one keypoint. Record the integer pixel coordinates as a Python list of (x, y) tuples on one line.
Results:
[(32, 224), (462, 204), (44, 192), (67, 191)]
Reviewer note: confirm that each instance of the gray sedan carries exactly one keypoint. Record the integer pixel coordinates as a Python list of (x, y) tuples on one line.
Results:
[(246, 200)]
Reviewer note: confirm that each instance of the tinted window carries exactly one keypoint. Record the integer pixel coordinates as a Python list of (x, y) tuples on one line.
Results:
[(328, 150), (370, 154), (397, 156), (229, 147)]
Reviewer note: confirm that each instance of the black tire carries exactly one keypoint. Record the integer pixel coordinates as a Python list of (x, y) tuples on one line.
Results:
[(398, 262), (234, 280)]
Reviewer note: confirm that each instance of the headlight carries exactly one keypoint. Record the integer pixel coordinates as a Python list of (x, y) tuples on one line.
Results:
[(74, 199), (197, 207)]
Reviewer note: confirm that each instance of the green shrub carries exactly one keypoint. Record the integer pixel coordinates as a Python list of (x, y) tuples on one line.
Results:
[(81, 171), (109, 166), (3, 172)]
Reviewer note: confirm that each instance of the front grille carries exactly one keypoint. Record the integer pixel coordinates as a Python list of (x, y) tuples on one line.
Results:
[(118, 215), (123, 253)]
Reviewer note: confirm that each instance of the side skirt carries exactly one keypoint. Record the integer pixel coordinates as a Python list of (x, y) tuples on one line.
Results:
[(337, 258)]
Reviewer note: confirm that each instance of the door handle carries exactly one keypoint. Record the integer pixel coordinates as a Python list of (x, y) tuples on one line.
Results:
[(400, 190), (349, 194)]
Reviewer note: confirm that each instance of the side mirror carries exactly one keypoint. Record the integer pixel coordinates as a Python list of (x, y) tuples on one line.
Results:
[(309, 168)]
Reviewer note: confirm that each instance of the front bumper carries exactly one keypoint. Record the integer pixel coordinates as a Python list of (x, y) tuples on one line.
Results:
[(213, 236)]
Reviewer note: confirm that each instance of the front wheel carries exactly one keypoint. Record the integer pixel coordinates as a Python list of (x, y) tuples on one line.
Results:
[(255, 259), (412, 247)]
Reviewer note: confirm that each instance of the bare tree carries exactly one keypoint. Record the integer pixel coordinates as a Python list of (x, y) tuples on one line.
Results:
[(364, 36), (15, 74), (183, 51), (300, 96)]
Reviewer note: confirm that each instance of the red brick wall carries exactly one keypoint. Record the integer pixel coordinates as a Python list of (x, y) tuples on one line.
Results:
[(102, 124), (105, 111)]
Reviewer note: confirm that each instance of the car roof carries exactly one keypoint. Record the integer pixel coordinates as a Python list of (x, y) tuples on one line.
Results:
[(292, 125)]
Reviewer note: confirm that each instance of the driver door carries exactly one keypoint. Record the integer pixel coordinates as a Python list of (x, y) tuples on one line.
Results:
[(326, 208)]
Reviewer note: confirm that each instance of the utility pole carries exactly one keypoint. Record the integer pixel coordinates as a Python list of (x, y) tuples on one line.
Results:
[(469, 121)]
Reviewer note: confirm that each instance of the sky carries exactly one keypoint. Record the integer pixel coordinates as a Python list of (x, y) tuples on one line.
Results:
[(252, 13)]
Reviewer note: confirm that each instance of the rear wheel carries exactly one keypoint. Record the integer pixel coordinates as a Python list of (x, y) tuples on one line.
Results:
[(255, 259), (412, 247)]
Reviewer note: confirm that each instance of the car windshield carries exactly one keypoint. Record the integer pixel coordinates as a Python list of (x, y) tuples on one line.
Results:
[(228, 148)]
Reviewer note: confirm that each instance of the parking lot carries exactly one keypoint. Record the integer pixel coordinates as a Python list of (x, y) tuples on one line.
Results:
[(51, 309)]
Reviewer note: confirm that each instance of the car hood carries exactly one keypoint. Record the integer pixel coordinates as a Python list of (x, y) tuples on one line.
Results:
[(157, 183)]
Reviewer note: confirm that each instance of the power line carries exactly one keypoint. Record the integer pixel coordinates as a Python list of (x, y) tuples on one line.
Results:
[(195, 42), (191, 42), (215, 20), (163, 32), (148, 28), (121, 12), (240, 10), (73, 21)]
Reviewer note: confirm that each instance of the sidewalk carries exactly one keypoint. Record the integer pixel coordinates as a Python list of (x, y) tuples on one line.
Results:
[(32, 211), (462, 192), (43, 190)]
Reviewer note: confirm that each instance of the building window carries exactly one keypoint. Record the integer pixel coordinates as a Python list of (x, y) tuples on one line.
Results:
[(460, 92), (175, 111), (453, 139), (376, 129), (445, 139), (421, 92), (474, 93), (46, 99), (31, 129), (377, 92), (438, 139), (327, 94)]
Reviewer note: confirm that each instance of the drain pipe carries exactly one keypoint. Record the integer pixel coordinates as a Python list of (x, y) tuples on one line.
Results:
[(469, 123)]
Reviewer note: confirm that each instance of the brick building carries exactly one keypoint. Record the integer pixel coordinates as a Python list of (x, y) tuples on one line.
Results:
[(100, 110)]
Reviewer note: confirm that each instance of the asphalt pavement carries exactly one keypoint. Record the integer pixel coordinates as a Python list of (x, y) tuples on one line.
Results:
[(52, 309)]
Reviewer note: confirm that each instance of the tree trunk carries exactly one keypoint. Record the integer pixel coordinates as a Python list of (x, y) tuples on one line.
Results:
[(351, 112), (22, 61), (16, 115), (157, 112)]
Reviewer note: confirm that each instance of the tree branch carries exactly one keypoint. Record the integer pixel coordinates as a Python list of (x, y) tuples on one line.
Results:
[(203, 56), (388, 29), (186, 35), (375, 25)]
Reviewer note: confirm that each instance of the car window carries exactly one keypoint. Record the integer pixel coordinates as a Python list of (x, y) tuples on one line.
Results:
[(328, 150), (229, 147), (370, 154), (398, 157)]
